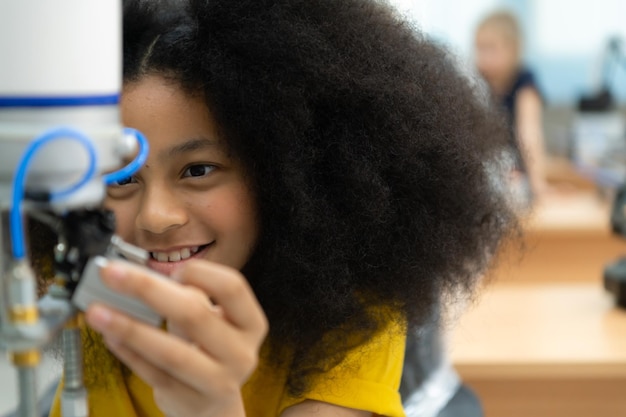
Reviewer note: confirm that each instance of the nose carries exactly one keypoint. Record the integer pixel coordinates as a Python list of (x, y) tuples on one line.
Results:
[(160, 211)]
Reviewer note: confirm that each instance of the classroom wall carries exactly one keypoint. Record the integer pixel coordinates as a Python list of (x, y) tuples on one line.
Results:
[(566, 40)]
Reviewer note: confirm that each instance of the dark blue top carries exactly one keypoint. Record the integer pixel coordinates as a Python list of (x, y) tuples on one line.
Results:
[(524, 78)]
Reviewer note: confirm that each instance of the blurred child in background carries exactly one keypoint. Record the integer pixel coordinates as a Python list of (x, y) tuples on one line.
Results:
[(498, 50)]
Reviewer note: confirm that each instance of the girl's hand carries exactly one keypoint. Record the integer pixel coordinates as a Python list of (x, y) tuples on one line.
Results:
[(198, 369)]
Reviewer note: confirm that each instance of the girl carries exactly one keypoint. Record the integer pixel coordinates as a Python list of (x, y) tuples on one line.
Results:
[(317, 165), (498, 44)]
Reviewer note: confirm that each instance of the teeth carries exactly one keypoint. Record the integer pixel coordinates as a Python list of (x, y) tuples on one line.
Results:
[(175, 256)]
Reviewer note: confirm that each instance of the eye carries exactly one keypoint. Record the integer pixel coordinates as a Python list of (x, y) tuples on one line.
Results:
[(123, 182), (123, 188), (199, 170)]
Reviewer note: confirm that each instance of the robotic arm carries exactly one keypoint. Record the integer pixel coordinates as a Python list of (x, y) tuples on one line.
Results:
[(60, 132)]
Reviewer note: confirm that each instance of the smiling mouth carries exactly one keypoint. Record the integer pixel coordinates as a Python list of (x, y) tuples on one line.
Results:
[(177, 255)]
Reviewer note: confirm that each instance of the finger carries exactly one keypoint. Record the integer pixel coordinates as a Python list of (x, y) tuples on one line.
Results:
[(214, 335), (184, 332), (186, 308), (171, 396), (229, 290), (224, 285), (150, 374), (182, 360)]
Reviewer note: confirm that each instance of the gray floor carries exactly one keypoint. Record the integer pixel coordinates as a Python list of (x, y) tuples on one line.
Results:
[(48, 372)]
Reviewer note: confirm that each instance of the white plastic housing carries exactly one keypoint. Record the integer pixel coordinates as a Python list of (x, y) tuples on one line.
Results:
[(60, 48), (66, 51)]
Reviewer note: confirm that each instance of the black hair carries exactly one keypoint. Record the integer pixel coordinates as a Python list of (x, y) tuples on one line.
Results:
[(366, 149)]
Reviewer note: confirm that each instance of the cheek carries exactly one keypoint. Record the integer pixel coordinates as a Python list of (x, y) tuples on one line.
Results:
[(231, 215), (233, 212), (124, 218)]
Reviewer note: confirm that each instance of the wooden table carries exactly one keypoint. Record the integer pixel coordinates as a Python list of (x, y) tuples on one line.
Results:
[(567, 239), (545, 340), (544, 350)]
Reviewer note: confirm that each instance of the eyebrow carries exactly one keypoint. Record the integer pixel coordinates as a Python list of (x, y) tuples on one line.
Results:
[(191, 145)]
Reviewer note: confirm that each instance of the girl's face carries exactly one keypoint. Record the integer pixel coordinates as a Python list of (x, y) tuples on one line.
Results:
[(190, 200), (496, 56)]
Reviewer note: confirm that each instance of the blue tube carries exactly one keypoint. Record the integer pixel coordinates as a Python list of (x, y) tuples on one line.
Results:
[(136, 164), (19, 181)]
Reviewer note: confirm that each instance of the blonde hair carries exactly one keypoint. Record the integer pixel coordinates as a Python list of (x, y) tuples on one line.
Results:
[(507, 25)]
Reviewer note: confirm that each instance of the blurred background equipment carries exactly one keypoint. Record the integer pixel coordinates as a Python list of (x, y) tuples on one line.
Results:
[(615, 273), (599, 127)]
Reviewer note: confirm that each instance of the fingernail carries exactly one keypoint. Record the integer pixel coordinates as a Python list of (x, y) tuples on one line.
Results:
[(99, 317)]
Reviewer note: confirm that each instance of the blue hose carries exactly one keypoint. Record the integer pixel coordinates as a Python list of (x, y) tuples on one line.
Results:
[(136, 164), (19, 181)]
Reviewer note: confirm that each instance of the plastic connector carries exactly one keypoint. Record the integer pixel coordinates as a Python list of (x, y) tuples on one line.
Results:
[(92, 289)]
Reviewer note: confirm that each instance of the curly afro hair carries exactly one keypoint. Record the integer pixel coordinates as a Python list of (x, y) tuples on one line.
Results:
[(366, 149)]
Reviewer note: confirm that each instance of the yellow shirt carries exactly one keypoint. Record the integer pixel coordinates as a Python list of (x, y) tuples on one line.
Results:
[(367, 379)]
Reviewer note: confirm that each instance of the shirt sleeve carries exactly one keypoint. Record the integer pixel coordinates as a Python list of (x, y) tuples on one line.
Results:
[(367, 379)]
